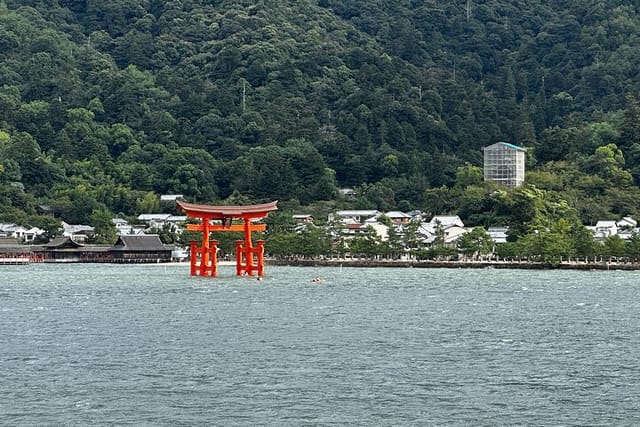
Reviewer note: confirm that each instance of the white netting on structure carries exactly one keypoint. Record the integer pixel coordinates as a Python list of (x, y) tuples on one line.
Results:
[(504, 163)]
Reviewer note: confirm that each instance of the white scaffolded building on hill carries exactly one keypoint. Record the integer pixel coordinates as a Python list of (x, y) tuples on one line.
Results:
[(504, 164)]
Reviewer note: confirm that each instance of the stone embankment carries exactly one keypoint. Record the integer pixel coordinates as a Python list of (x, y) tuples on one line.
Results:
[(528, 265)]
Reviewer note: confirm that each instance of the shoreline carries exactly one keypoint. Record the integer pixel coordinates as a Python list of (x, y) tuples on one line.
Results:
[(519, 265), (516, 265)]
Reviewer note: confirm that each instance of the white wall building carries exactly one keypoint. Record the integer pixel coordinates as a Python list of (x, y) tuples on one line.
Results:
[(77, 232), (625, 228), (356, 215), (446, 221)]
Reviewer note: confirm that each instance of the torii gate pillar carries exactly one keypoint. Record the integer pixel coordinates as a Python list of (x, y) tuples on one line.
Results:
[(249, 259)]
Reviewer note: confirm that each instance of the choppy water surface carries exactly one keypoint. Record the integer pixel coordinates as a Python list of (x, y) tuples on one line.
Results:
[(102, 344)]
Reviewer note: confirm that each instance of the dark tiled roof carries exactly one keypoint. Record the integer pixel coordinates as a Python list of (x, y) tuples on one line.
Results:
[(139, 243), (63, 242)]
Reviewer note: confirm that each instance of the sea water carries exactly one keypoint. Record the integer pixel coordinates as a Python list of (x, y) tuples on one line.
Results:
[(150, 345)]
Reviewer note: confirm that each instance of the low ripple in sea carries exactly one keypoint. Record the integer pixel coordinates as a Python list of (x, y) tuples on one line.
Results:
[(100, 344)]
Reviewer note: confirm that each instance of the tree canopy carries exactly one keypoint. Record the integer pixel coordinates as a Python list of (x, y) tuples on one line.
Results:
[(102, 102)]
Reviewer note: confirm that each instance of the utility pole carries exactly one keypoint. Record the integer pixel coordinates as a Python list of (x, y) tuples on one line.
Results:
[(244, 95), (454, 68)]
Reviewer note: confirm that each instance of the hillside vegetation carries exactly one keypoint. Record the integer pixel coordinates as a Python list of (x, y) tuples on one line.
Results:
[(105, 104)]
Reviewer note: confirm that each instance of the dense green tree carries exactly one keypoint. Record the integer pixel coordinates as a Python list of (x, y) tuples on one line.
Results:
[(475, 243), (25, 162), (468, 175), (81, 138), (150, 203), (393, 246), (312, 242), (105, 230), (213, 99), (613, 246), (549, 246), (583, 241), (282, 244), (367, 244), (633, 247)]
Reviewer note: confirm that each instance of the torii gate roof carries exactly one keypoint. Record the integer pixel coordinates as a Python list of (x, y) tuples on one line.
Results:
[(213, 212)]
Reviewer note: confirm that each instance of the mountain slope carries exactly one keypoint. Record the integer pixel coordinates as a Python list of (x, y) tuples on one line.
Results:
[(290, 100)]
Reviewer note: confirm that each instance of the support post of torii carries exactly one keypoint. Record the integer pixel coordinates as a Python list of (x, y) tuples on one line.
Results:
[(249, 259)]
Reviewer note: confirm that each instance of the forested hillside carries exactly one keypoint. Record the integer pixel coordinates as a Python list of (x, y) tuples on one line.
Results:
[(104, 104)]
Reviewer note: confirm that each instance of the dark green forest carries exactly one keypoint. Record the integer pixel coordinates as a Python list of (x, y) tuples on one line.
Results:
[(106, 104)]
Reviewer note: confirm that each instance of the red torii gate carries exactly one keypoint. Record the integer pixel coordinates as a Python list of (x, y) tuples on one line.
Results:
[(207, 254)]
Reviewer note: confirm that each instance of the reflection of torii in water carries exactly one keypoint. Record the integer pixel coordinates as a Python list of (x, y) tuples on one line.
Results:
[(207, 254)]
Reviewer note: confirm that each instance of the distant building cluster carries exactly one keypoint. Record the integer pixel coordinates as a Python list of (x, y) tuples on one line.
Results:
[(136, 243), (624, 228), (448, 228), (503, 163), (18, 232), (126, 250)]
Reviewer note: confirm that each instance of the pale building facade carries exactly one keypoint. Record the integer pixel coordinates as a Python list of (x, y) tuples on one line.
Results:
[(504, 164)]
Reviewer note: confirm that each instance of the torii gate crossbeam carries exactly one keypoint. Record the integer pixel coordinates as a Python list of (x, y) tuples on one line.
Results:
[(204, 258)]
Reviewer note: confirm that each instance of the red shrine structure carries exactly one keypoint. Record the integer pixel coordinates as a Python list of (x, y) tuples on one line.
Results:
[(204, 258)]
